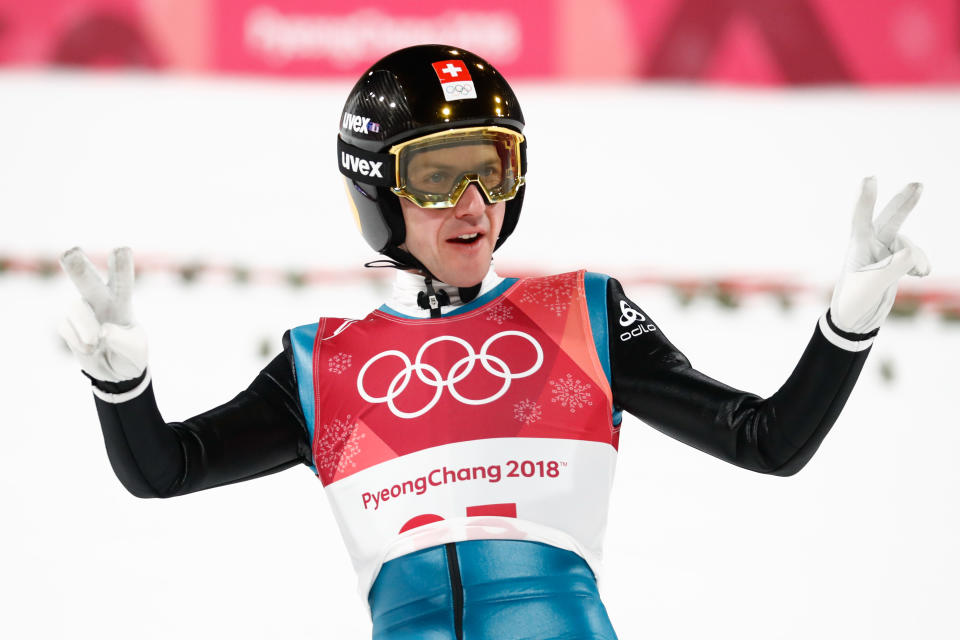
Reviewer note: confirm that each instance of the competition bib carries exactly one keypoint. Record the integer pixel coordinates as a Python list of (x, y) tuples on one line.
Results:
[(493, 423)]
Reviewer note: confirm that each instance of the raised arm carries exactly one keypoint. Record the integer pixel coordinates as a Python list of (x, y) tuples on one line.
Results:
[(654, 381), (260, 431)]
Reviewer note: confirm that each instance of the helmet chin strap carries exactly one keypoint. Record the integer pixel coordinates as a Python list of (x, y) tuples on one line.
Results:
[(431, 298)]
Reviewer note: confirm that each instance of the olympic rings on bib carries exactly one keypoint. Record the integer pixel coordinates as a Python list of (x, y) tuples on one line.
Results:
[(429, 375)]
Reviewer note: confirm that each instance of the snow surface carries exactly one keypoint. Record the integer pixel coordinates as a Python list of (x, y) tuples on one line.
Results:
[(630, 181)]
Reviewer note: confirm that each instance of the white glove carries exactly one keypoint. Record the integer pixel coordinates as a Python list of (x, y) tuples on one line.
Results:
[(99, 328), (877, 258)]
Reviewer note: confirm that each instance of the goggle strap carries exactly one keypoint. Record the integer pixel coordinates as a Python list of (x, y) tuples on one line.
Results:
[(365, 166)]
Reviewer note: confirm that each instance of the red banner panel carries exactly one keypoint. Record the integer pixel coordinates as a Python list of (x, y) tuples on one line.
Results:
[(300, 37), (107, 33), (798, 41)]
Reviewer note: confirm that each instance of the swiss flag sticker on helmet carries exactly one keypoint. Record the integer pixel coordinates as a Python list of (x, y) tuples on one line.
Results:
[(455, 80)]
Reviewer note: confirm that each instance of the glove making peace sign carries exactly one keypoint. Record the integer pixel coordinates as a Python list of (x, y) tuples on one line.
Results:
[(99, 328), (877, 257)]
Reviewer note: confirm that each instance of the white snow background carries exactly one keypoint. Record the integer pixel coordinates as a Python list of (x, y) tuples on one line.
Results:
[(632, 181)]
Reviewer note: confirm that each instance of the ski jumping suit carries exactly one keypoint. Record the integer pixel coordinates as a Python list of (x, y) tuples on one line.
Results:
[(469, 457)]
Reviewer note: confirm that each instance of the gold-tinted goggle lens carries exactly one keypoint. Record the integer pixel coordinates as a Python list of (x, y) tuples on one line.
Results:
[(435, 170)]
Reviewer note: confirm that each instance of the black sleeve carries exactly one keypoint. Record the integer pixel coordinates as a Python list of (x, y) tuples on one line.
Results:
[(261, 431), (654, 381)]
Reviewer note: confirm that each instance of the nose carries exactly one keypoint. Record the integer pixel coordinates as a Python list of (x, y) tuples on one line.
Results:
[(470, 204)]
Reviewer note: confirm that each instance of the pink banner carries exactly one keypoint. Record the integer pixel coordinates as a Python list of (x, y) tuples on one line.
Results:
[(798, 41), (300, 37), (756, 42), (102, 33)]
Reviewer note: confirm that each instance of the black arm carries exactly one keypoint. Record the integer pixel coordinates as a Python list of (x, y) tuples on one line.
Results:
[(260, 431), (654, 381)]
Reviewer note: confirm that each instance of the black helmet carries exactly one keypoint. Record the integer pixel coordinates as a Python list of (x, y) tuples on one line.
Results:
[(409, 94)]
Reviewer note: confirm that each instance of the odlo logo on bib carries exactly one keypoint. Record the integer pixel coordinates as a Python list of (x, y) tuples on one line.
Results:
[(363, 167)]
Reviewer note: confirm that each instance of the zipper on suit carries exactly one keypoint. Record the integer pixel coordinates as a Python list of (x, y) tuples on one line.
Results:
[(456, 587)]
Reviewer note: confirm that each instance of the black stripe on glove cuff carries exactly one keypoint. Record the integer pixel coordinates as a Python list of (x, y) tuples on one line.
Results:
[(849, 335), (116, 387)]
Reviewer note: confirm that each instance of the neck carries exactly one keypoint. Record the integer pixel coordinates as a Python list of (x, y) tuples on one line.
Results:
[(408, 285)]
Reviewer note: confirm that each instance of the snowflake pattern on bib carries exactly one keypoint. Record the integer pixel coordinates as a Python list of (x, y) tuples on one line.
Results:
[(571, 392), (339, 363), (335, 448), (554, 293), (500, 313), (527, 412)]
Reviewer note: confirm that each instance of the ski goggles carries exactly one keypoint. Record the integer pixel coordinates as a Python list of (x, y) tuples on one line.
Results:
[(433, 171)]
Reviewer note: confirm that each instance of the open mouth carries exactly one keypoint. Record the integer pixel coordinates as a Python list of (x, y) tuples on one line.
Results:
[(467, 238)]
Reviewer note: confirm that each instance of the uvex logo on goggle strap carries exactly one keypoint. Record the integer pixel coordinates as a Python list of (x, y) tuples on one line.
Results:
[(431, 376), (364, 167), (358, 124)]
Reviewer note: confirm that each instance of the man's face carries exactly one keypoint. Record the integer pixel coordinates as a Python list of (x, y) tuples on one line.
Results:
[(455, 244), (434, 237)]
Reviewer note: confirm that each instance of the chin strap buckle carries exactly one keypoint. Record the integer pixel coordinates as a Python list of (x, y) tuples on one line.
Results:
[(432, 299)]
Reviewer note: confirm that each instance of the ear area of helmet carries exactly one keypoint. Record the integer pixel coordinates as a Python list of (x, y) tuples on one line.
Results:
[(370, 216), (365, 166)]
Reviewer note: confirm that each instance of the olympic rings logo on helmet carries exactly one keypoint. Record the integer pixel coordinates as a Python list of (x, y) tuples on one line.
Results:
[(430, 376), (452, 88)]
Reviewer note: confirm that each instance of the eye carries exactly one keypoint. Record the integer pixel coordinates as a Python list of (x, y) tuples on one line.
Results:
[(436, 177), (490, 174)]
